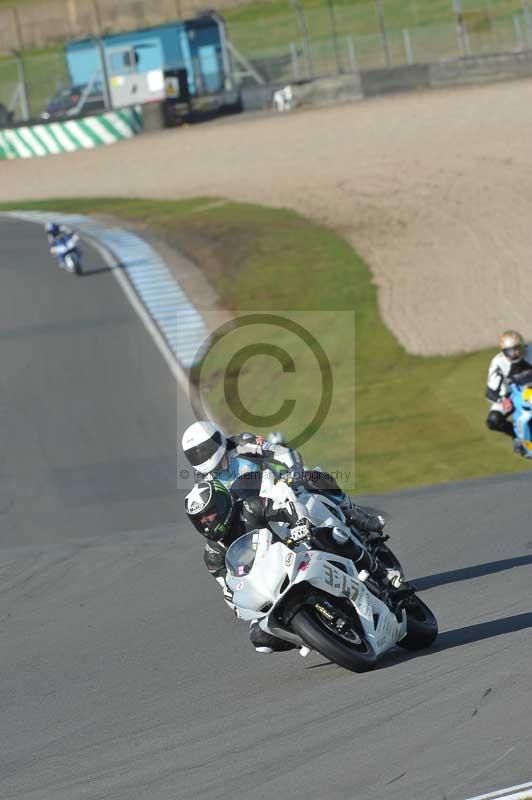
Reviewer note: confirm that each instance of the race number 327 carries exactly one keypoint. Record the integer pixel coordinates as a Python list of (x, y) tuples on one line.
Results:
[(339, 580)]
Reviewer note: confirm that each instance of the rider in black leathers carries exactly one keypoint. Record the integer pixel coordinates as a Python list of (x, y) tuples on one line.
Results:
[(222, 517), (216, 456)]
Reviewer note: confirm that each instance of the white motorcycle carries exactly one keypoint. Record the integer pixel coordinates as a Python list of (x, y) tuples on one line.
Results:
[(67, 251), (317, 600), (321, 510)]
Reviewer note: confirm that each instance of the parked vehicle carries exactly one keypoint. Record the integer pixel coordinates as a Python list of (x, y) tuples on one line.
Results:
[(72, 100), (6, 116)]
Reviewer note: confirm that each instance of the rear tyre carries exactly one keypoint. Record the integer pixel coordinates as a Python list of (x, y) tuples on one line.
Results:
[(422, 625), (350, 650)]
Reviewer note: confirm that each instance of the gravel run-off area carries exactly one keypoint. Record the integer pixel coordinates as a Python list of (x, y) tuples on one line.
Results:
[(434, 189)]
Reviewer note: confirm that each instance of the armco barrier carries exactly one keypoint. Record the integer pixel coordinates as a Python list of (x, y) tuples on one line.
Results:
[(481, 69), (66, 136), (396, 79), (318, 92), (371, 83)]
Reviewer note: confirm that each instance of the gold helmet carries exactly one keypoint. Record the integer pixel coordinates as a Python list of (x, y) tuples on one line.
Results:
[(512, 345)]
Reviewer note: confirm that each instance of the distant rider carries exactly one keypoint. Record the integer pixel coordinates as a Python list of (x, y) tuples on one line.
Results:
[(222, 517), (54, 232), (514, 357), (214, 455)]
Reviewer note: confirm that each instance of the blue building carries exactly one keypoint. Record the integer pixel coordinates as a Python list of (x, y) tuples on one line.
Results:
[(135, 61)]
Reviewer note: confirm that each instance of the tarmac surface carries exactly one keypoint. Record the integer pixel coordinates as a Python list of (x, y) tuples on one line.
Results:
[(123, 674)]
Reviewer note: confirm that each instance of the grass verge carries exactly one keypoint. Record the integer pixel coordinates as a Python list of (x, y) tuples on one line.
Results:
[(418, 420)]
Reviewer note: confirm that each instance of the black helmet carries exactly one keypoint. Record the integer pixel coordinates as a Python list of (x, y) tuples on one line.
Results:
[(211, 508)]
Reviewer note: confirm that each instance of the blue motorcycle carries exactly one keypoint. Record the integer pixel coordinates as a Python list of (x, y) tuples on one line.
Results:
[(66, 249), (521, 397)]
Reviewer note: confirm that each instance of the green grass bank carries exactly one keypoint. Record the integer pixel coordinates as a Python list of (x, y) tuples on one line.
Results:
[(418, 420)]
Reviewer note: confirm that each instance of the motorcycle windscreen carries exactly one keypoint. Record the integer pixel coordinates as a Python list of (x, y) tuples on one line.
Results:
[(255, 571), (241, 555)]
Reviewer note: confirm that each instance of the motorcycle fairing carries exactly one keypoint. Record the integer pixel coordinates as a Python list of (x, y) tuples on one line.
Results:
[(277, 569)]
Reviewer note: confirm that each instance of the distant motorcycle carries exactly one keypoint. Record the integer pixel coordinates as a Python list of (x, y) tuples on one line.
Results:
[(521, 397), (66, 249)]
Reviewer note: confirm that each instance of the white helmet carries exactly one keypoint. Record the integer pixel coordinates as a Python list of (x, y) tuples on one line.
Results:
[(204, 445), (512, 345)]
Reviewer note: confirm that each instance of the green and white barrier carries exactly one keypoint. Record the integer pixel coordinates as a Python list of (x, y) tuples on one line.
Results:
[(52, 138)]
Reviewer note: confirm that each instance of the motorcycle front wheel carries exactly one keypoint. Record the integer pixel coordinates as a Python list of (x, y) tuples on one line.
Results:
[(421, 625), (327, 629), (73, 264), (387, 557), (377, 547)]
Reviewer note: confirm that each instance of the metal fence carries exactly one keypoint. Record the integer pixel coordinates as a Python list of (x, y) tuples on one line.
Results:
[(336, 38), (42, 23), (303, 42), (27, 82), (47, 22)]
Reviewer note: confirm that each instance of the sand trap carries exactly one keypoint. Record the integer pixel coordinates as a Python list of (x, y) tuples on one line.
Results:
[(433, 188)]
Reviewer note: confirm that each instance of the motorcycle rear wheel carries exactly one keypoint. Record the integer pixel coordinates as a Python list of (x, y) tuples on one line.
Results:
[(312, 627), (422, 625)]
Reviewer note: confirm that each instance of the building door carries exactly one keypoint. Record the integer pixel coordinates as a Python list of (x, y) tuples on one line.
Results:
[(135, 73)]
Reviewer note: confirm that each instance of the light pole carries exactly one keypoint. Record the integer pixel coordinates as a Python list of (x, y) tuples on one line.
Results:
[(298, 8), (380, 17), (108, 101), (462, 33), (23, 86), (334, 32), (528, 18)]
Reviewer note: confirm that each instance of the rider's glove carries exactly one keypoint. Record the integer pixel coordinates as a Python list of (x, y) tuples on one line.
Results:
[(507, 405), (301, 530), (381, 520)]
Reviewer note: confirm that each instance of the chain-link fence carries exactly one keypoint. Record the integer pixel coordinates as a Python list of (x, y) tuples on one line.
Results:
[(28, 82), (336, 37), (308, 39)]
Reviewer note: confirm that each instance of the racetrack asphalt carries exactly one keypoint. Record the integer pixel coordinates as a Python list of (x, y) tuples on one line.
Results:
[(123, 676)]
